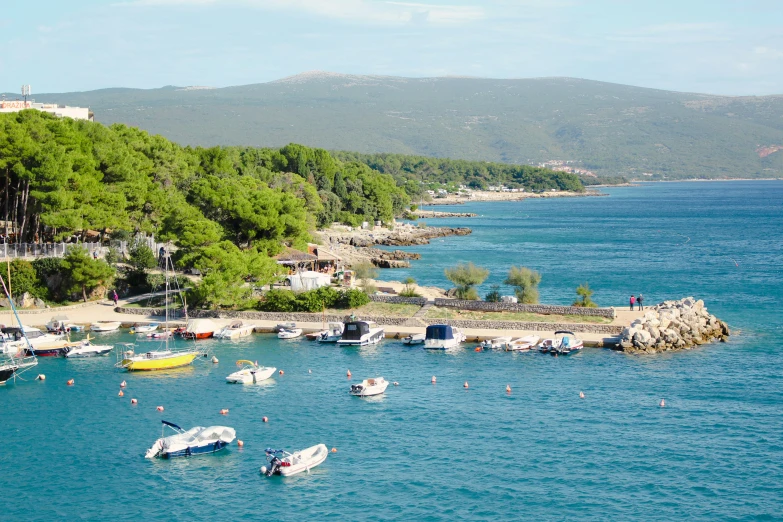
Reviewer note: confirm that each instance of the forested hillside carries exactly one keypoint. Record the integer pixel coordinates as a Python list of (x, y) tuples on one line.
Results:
[(605, 128)]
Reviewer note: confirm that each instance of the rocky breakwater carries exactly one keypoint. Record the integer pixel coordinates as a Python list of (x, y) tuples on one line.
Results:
[(673, 325)]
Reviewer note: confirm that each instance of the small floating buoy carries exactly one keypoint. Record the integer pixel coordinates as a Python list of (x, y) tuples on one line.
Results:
[(41, 377), (348, 373), (159, 408), (131, 331), (214, 359), (134, 401), (309, 371), (396, 383), (334, 450), (465, 385), (265, 419), (123, 384), (281, 372), (240, 443), (581, 395), (662, 404), (224, 411), (508, 388), (433, 380), (70, 382), (478, 349), (120, 394)]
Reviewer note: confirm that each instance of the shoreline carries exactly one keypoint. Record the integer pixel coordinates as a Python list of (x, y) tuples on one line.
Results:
[(486, 196)]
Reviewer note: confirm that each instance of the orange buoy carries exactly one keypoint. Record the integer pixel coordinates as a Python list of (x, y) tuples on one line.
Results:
[(348, 373), (433, 380), (508, 388), (478, 349), (134, 401), (70, 382), (662, 404), (159, 408), (334, 450), (240, 443), (465, 385), (265, 419), (581, 395), (120, 394), (281, 372), (224, 411), (123, 384), (41, 377)]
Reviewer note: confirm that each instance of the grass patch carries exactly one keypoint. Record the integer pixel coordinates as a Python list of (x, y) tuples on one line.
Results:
[(380, 309), (450, 313)]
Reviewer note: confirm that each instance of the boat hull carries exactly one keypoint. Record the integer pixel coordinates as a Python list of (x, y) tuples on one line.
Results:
[(58, 351), (6, 373), (195, 450), (373, 338), (77, 353), (202, 335), (251, 377), (308, 459), (162, 363)]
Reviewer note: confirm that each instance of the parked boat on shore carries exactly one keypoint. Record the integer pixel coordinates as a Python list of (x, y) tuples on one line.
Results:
[(194, 441), (235, 330), (286, 464), (361, 333), (442, 337)]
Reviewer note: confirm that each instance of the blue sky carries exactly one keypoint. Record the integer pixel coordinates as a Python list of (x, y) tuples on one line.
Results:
[(716, 46)]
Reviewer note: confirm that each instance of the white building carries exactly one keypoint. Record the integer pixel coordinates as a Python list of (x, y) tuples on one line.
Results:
[(62, 111)]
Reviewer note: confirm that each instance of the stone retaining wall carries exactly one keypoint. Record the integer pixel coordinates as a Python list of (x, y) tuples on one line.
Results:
[(536, 327), (485, 306), (397, 299)]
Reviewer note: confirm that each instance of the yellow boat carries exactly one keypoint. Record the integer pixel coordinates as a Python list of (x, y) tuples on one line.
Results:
[(161, 360)]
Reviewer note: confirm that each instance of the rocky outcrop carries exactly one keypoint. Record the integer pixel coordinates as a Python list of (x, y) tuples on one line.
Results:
[(434, 214), (673, 325), (421, 236)]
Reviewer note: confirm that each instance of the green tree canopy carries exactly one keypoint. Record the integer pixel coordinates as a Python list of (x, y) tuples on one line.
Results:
[(465, 277), (525, 282), (84, 271)]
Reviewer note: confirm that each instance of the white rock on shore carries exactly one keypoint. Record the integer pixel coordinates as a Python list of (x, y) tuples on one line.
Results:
[(673, 325)]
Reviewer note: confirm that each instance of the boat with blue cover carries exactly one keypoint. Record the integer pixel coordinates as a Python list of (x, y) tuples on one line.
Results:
[(195, 441), (567, 344), (442, 337)]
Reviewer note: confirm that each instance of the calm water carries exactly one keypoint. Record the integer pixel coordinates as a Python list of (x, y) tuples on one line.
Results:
[(436, 452)]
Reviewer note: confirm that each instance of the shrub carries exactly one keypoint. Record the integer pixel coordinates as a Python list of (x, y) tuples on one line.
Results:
[(278, 301), (142, 257), (353, 298), (585, 292), (525, 282), (465, 277), (409, 290), (494, 294), (24, 278), (112, 256)]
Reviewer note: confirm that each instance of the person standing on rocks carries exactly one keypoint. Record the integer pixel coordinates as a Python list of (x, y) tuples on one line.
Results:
[(639, 300), (633, 302)]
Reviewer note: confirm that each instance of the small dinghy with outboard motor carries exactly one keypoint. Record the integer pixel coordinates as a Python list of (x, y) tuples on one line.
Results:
[(250, 373), (194, 441), (286, 464), (369, 387)]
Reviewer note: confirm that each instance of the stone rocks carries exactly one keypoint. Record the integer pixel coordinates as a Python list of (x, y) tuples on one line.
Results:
[(673, 325)]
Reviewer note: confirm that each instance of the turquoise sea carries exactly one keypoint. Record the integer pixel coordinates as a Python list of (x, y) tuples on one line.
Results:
[(442, 452)]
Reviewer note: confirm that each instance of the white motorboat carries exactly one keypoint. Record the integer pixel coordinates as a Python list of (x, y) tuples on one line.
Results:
[(194, 441), (235, 330), (60, 324), (284, 326), (442, 337), (250, 373), (369, 387), (289, 333), (361, 333), (105, 326), (414, 339), (567, 344), (522, 344), (12, 341), (496, 343), (86, 349), (145, 328), (331, 334), (286, 464)]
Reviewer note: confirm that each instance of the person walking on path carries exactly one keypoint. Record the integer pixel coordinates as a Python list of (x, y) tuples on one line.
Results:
[(633, 302), (115, 297), (639, 300)]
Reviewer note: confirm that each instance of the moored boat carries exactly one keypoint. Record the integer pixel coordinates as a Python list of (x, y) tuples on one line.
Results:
[(369, 387), (105, 326), (332, 334), (7, 369), (85, 348), (289, 333), (567, 344), (286, 464), (414, 339), (522, 344), (194, 441), (60, 324), (235, 330), (496, 343), (145, 328), (361, 333), (442, 337), (200, 329), (250, 373)]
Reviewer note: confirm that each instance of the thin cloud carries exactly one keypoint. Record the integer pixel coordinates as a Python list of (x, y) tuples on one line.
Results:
[(699, 32)]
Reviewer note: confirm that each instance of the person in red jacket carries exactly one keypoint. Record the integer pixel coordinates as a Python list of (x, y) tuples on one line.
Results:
[(633, 302)]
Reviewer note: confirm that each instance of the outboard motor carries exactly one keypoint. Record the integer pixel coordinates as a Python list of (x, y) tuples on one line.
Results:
[(356, 388), (274, 463)]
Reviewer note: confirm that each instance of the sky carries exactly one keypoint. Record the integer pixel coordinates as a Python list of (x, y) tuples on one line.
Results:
[(732, 47)]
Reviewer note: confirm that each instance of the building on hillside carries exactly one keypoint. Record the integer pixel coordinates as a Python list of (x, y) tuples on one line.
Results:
[(61, 111)]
